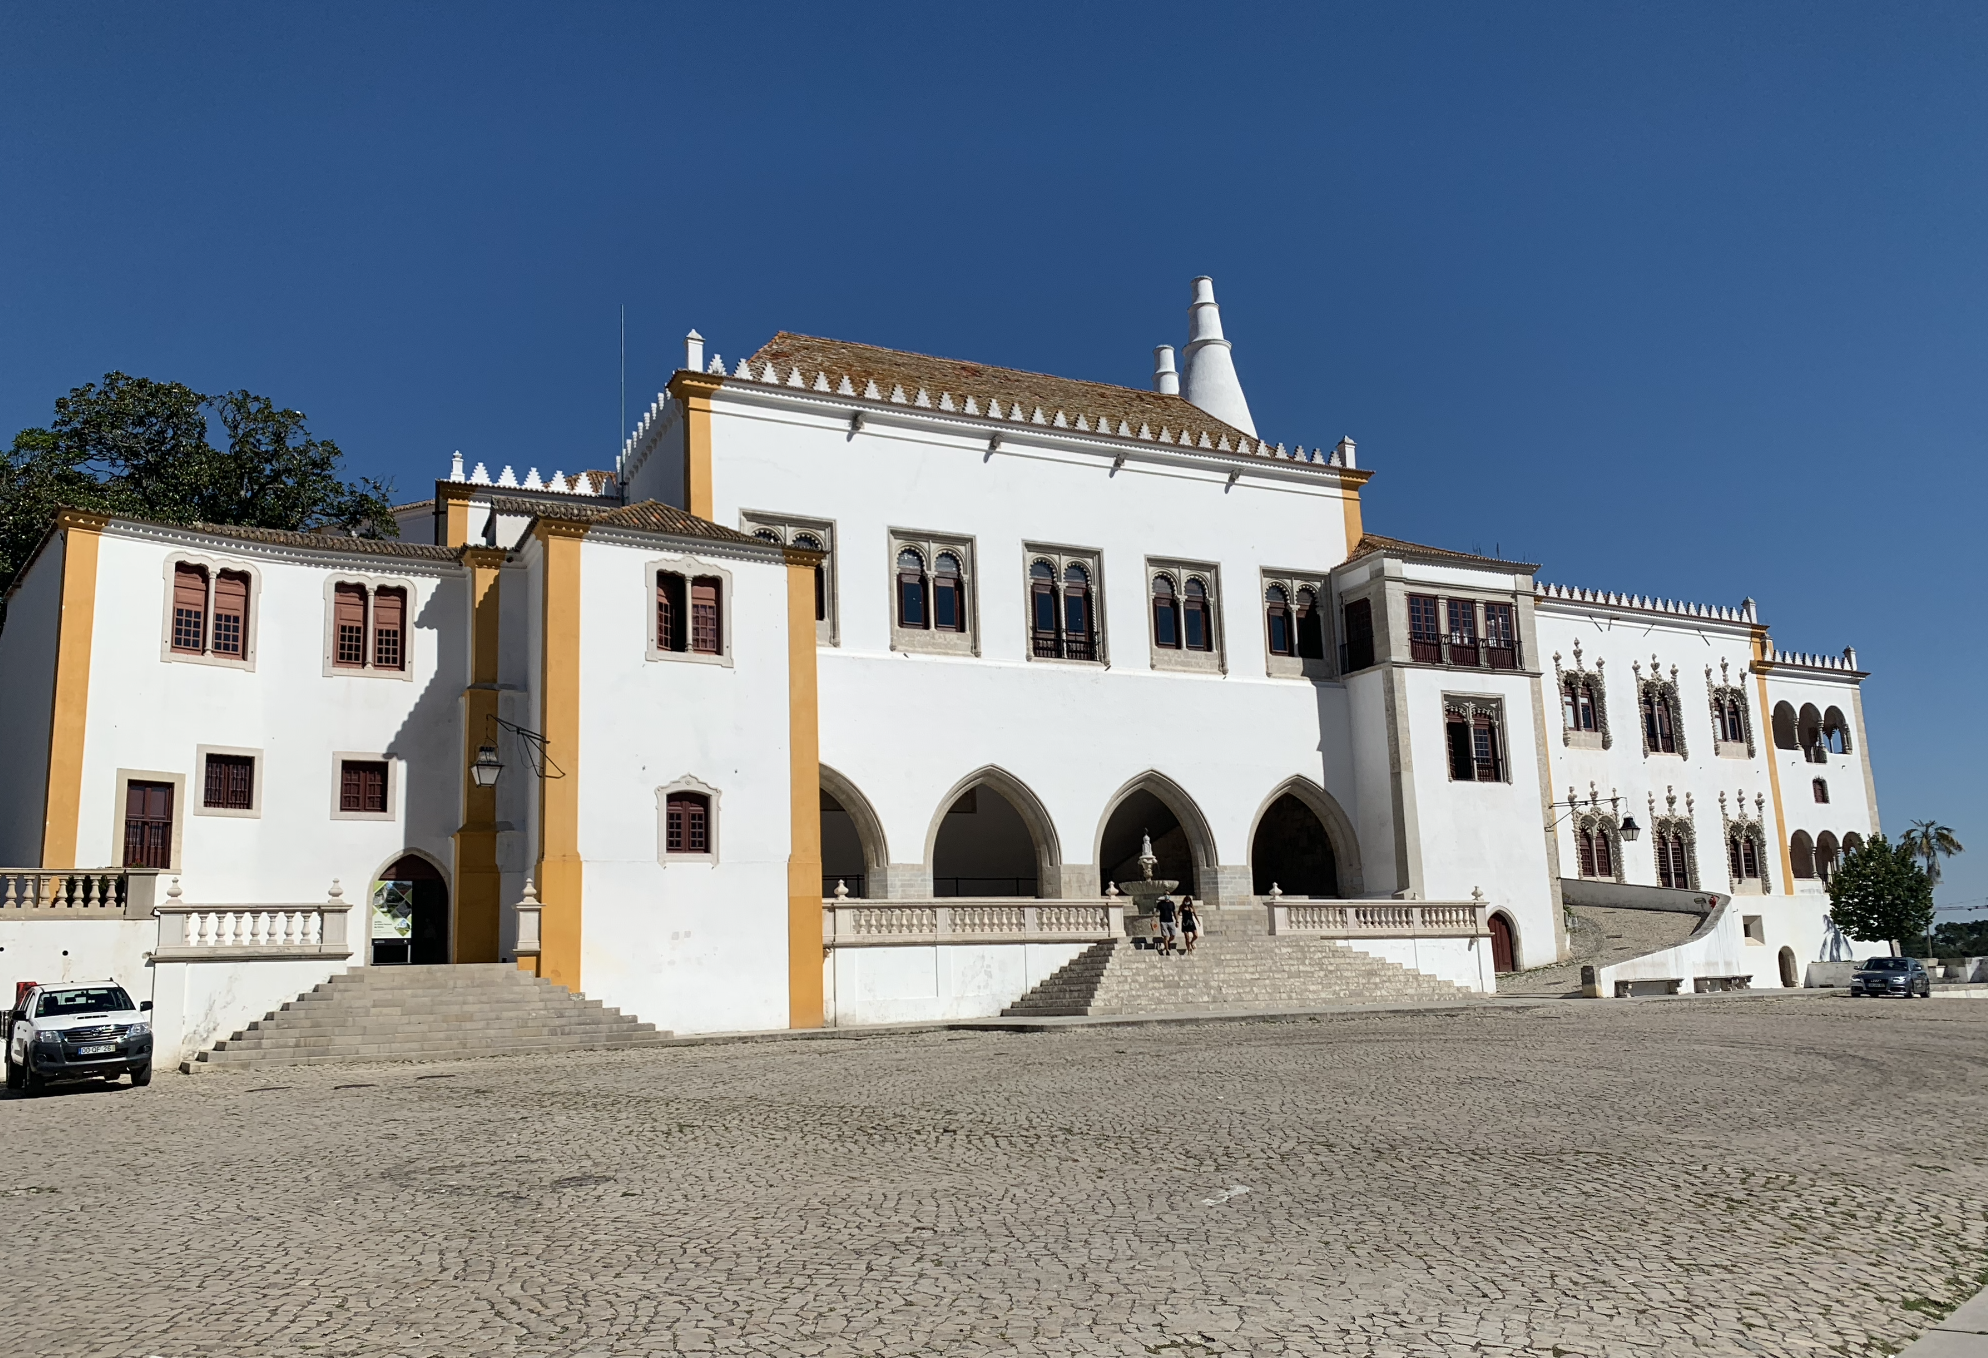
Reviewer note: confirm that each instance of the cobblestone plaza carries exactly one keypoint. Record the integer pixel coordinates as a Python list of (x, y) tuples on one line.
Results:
[(1754, 1175)]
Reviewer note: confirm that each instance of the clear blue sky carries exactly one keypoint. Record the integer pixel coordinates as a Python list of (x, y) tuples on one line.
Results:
[(1684, 300)]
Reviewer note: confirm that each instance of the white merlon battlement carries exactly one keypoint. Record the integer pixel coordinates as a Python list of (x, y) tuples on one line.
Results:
[(1842, 664), (1013, 412), (1645, 603), (560, 484)]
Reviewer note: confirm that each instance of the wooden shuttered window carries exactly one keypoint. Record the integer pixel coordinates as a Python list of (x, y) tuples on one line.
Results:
[(390, 629), (348, 623), (687, 823), (1475, 747), (1673, 869), (910, 590), (706, 615), (1197, 622), (189, 609), (1079, 617), (148, 825), (1659, 727), (948, 595), (672, 611), (231, 602), (229, 782), (1425, 636), (362, 785), (1597, 858), (1463, 631), (1501, 648), (1042, 609), (1166, 614)]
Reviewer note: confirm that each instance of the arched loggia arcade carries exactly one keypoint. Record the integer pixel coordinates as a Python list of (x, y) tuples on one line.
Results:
[(1154, 805), (1304, 844)]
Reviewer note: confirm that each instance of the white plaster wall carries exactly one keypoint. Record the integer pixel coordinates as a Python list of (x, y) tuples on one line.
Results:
[(27, 703), (1373, 779), (920, 984), (56, 951), (906, 728), (692, 946), (196, 1004), (1460, 961), (149, 713), (1482, 836)]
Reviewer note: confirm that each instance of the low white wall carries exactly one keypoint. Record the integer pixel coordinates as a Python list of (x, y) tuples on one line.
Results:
[(1718, 948), (56, 951), (1460, 961), (196, 1004), (930, 983)]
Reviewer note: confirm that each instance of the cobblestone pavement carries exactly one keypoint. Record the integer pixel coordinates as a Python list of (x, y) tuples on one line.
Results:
[(1750, 1175)]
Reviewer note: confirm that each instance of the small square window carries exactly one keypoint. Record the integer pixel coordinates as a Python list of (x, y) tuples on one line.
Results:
[(229, 783)]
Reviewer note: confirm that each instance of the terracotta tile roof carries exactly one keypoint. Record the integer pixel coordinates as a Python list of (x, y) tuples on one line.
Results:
[(649, 516), (1370, 543), (891, 369), (331, 541)]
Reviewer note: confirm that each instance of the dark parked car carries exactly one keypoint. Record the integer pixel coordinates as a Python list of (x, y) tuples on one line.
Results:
[(1891, 976)]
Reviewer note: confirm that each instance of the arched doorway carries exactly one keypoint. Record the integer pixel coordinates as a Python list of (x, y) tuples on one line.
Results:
[(1504, 944), (984, 848), (410, 916), (852, 839), (1292, 852), (1788, 978), (1132, 820)]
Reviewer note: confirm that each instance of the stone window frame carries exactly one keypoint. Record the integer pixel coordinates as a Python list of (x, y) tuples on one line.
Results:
[(372, 584), (122, 782), (1178, 572), (1722, 691), (394, 773), (1297, 666), (928, 544), (1752, 827), (1060, 559), (1597, 817), (713, 818), (213, 565), (1471, 706), (690, 568), (1601, 738), (1666, 690), (1668, 821), (753, 522), (199, 805)]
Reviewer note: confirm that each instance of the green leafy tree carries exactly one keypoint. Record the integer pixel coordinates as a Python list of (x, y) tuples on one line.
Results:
[(1961, 938), (1881, 893), (138, 447)]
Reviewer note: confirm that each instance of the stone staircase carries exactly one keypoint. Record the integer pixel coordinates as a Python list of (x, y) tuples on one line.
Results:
[(1225, 971), (426, 1014)]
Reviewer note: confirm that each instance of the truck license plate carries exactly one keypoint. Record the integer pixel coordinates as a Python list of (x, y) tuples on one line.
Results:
[(97, 1050)]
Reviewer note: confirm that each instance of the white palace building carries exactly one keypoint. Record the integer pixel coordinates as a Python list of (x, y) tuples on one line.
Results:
[(850, 696)]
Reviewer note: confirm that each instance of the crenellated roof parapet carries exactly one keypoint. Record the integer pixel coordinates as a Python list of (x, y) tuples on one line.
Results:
[(1744, 613)]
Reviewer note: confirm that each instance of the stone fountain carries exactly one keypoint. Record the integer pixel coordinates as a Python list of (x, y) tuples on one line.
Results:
[(1141, 921)]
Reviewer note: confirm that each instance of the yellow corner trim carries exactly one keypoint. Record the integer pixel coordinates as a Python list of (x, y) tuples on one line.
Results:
[(804, 950), (63, 803)]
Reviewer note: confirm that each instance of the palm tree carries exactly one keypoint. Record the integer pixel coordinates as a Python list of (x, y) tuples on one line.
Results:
[(1930, 841)]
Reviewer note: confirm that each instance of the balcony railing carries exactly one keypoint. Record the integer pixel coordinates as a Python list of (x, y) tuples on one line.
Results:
[(852, 882), (866, 924), (1058, 646), (252, 933), (1425, 650), (983, 886), (1379, 919), (77, 893)]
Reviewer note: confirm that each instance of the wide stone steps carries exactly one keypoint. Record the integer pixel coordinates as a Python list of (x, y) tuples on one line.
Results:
[(426, 1013), (1225, 972)]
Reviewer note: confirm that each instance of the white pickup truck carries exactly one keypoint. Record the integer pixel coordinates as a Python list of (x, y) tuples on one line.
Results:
[(77, 1032)]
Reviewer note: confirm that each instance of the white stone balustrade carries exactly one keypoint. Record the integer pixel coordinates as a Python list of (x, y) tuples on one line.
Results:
[(251, 933), (77, 893), (1380, 919), (529, 908), (855, 923)]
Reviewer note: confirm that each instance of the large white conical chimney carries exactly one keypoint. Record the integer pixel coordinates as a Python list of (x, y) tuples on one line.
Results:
[(1209, 380)]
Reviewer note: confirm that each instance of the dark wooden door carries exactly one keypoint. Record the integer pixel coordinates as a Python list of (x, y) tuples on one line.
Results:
[(1504, 957), (148, 825)]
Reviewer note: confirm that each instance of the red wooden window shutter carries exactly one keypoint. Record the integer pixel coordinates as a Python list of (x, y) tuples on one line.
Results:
[(1500, 638), (687, 823), (189, 609), (672, 611), (148, 825), (231, 591), (390, 629), (1484, 735), (705, 621), (363, 785), (230, 782), (348, 621), (1463, 768), (1425, 639)]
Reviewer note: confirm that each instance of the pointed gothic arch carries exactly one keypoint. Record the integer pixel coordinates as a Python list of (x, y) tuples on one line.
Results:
[(1199, 880), (1338, 825), (1034, 816), (869, 830)]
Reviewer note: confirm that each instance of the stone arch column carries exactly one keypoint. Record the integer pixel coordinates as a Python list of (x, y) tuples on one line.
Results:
[(1042, 830), (1338, 825)]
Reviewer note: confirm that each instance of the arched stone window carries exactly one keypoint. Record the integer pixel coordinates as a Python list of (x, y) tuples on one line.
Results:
[(1732, 721), (1583, 704), (1746, 845), (1835, 732), (814, 535), (1064, 618), (1808, 728), (1785, 735), (1827, 856), (1674, 842), (912, 613), (1820, 787), (1079, 614), (1475, 734), (948, 594), (1311, 626), (1277, 621), (1852, 842), (1662, 717), (686, 822), (1166, 613), (1801, 855)]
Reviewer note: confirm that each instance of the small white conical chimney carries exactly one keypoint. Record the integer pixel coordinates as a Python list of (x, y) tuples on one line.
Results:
[(1210, 380), (1165, 380), (693, 352)]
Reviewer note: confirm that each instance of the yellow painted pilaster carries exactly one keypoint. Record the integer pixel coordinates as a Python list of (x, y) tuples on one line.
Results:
[(694, 390), (1765, 725), (63, 805), (478, 890), (804, 949), (1350, 481), (559, 875), (452, 497)]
